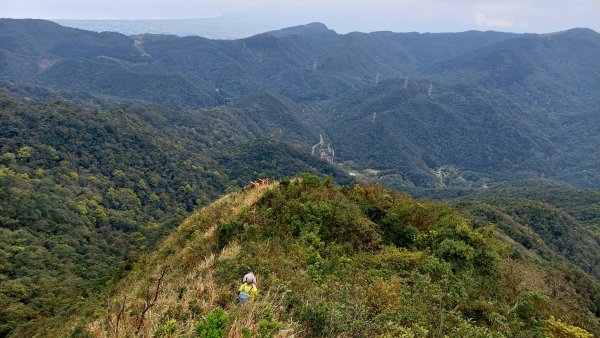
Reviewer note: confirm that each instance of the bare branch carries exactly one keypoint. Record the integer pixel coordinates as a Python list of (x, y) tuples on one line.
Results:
[(150, 301)]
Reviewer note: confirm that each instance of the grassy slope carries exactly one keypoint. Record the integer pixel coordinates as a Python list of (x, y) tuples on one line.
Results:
[(329, 260), (189, 257)]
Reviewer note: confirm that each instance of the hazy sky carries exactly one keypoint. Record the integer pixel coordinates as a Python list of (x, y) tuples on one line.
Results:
[(350, 15)]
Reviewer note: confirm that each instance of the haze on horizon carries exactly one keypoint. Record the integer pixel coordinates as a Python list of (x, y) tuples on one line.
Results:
[(535, 16)]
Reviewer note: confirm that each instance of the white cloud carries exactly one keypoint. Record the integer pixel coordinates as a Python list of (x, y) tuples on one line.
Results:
[(482, 20)]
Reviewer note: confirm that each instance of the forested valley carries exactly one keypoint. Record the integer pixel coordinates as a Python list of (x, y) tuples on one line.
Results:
[(126, 162)]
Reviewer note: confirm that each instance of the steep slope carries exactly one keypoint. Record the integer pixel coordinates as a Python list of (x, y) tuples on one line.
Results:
[(562, 60), (582, 205), (541, 123), (312, 65), (503, 107), (108, 77), (83, 190), (555, 79), (407, 131), (551, 232), (360, 261), (87, 187), (555, 220), (432, 48)]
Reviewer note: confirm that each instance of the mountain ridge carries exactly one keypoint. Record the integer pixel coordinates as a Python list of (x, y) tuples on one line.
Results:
[(538, 89), (236, 230), (109, 141)]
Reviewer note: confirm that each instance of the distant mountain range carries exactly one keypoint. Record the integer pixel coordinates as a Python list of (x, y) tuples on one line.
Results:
[(494, 105), (107, 141)]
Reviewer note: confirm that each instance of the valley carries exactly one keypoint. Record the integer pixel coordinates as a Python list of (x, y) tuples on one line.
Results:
[(125, 156)]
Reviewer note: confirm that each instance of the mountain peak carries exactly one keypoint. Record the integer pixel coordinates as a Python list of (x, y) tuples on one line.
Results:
[(313, 28), (581, 30), (575, 32)]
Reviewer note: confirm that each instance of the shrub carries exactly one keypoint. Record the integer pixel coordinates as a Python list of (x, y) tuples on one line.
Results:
[(268, 327), (529, 301), (316, 317), (213, 326), (170, 326), (456, 252), (398, 225), (556, 329), (227, 232)]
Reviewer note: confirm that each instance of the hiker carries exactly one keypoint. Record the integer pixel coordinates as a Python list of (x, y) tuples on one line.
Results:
[(247, 291), (248, 288), (249, 277)]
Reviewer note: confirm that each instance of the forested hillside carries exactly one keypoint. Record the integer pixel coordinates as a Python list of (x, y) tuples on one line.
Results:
[(555, 220), (389, 127), (491, 105), (353, 260), (83, 191)]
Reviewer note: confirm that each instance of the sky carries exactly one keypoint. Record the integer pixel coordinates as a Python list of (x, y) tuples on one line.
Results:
[(535, 16)]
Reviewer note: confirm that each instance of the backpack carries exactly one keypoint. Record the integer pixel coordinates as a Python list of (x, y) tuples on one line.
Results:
[(244, 296)]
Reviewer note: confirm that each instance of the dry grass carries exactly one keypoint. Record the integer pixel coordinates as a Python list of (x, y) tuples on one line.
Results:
[(230, 251), (189, 289), (249, 315)]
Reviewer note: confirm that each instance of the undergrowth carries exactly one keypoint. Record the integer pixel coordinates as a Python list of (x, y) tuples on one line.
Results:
[(356, 261)]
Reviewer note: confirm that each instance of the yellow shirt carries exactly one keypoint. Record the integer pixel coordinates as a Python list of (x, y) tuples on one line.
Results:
[(246, 288)]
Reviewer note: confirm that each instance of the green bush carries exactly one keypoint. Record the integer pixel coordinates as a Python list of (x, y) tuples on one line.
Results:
[(316, 317), (227, 232), (268, 327), (398, 229), (213, 326), (529, 303), (456, 252), (167, 329), (554, 328)]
